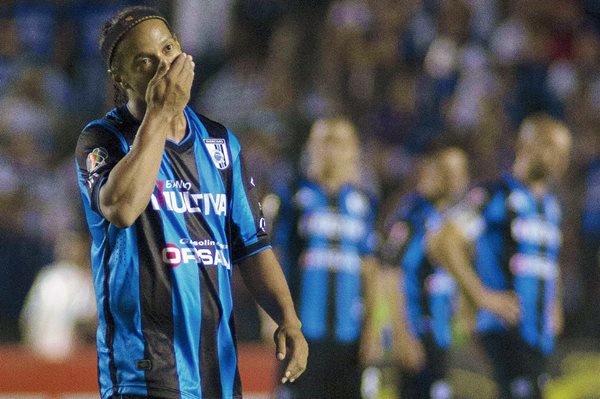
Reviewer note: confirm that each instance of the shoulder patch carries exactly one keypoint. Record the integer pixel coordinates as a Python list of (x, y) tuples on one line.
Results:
[(96, 159)]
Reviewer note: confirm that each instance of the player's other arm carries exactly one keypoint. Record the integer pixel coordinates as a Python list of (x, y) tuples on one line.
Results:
[(452, 249), (407, 348), (127, 191), (369, 345), (264, 278)]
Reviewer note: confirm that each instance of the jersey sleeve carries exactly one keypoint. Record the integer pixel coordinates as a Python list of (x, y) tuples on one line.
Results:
[(98, 151), (248, 226)]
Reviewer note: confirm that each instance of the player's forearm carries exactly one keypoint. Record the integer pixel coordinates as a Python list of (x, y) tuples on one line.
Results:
[(451, 250), (397, 305), (131, 182), (370, 277), (264, 279)]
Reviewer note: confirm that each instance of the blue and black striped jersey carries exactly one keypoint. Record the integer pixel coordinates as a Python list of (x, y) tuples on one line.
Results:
[(163, 285), (322, 239), (517, 241), (430, 291)]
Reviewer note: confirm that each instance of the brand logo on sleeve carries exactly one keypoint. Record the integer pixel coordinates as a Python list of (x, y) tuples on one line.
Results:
[(218, 152)]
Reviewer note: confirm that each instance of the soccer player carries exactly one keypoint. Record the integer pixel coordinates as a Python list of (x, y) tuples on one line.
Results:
[(325, 232), (423, 295), (171, 209), (512, 228)]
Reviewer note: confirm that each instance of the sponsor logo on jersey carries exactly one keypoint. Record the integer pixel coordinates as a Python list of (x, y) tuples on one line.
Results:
[(332, 225), (532, 266), (536, 231), (96, 159), (218, 152), (357, 203), (202, 253), (330, 259), (175, 196)]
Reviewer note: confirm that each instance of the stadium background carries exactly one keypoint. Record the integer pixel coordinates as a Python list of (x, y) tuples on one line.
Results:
[(408, 72)]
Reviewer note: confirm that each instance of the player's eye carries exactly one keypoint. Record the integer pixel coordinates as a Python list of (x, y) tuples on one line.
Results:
[(144, 62), (169, 48)]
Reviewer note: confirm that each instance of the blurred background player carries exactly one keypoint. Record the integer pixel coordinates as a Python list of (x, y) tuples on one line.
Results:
[(423, 296), (513, 226), (325, 235)]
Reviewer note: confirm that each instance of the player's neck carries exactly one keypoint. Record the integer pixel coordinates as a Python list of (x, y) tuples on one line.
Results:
[(176, 128), (539, 187), (137, 109)]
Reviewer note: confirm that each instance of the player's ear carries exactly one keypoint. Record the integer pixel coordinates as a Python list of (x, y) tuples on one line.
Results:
[(117, 78)]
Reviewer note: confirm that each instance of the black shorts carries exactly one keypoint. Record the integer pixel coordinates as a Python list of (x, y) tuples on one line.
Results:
[(519, 370), (431, 382), (332, 372)]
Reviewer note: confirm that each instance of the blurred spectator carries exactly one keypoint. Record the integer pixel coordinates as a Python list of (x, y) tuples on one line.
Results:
[(60, 310)]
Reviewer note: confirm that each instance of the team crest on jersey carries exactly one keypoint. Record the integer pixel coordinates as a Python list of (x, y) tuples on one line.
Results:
[(218, 152), (96, 159)]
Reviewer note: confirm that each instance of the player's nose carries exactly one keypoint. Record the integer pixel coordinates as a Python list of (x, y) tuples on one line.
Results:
[(169, 58)]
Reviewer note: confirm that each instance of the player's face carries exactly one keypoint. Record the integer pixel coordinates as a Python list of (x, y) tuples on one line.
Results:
[(138, 55), (549, 154), (456, 173), (336, 148), (430, 180)]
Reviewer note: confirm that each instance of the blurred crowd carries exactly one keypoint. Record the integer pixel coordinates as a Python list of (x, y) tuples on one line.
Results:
[(409, 73)]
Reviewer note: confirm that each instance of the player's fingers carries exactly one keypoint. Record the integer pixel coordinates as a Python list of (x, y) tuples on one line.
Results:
[(294, 369), (297, 362), (187, 74), (280, 344), (177, 65)]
